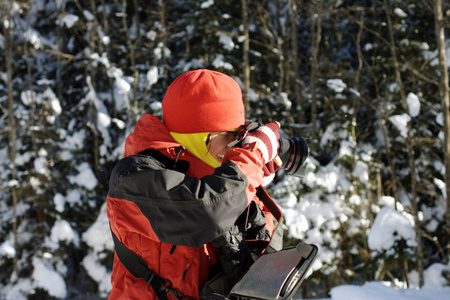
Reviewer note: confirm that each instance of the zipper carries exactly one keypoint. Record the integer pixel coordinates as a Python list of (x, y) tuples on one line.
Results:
[(173, 249), (178, 152)]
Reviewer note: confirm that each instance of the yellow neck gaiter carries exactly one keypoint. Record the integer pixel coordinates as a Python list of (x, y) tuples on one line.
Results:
[(196, 144)]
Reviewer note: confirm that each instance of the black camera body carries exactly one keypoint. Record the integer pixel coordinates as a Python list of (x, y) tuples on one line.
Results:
[(292, 151)]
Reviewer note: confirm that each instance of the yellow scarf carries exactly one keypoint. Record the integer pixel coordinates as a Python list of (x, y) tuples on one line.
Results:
[(196, 144)]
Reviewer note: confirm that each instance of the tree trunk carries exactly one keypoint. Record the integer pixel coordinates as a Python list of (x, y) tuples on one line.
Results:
[(294, 74), (383, 118), (355, 103), (444, 94), (246, 63), (280, 45), (96, 48), (6, 14), (105, 26), (409, 147), (316, 33), (134, 104), (30, 86), (162, 21)]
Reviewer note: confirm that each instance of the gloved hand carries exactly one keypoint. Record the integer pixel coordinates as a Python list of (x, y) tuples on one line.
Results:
[(269, 170), (236, 257), (264, 139)]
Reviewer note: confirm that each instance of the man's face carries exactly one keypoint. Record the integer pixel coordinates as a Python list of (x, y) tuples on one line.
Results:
[(218, 143)]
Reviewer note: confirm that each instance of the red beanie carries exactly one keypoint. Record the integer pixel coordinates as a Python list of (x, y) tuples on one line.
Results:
[(203, 101)]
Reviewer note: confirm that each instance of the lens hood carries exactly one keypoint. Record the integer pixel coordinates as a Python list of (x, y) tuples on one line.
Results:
[(293, 153)]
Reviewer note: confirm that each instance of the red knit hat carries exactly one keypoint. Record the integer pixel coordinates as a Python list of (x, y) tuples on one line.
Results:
[(203, 101)]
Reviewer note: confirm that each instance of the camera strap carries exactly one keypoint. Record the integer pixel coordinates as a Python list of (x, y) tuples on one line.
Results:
[(276, 241)]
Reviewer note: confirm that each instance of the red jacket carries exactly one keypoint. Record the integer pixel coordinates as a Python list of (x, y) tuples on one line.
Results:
[(169, 217)]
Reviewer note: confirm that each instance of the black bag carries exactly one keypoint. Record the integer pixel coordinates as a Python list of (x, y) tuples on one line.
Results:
[(275, 275)]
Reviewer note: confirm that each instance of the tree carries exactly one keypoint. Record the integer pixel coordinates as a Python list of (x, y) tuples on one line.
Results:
[(245, 54), (294, 75), (408, 143), (444, 94), (6, 12), (316, 33)]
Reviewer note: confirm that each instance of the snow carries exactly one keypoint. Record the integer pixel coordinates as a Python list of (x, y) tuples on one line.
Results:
[(400, 13), (59, 201), (337, 85), (7, 249), (413, 104), (401, 123), (361, 171), (40, 165), (85, 177), (206, 4), (219, 62), (62, 231), (152, 75), (27, 97), (45, 277), (390, 226), (95, 236), (379, 291), (99, 273), (312, 220), (226, 41), (440, 118), (390, 202), (98, 237), (69, 20)]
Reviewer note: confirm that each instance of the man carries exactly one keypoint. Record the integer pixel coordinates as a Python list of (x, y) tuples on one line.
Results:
[(184, 198)]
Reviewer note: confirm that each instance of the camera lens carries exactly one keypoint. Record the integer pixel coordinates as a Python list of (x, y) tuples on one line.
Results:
[(293, 153)]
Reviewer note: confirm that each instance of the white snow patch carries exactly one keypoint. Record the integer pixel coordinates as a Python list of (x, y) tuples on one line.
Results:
[(390, 226), (337, 85), (69, 20), (400, 13), (62, 231), (207, 4), (85, 178), (413, 105), (45, 277), (152, 75), (401, 123)]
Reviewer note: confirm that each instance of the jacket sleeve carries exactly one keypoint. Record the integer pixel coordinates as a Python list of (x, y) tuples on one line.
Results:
[(184, 210)]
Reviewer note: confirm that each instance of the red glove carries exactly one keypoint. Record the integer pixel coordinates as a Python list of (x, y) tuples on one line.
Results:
[(265, 139)]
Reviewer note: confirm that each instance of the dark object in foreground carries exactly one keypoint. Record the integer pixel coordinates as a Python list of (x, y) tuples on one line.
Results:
[(276, 275), (293, 153)]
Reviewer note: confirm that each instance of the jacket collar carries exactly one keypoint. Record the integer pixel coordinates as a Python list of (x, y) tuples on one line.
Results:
[(151, 133)]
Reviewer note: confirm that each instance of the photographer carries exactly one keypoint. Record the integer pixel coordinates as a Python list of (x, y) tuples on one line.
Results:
[(185, 203)]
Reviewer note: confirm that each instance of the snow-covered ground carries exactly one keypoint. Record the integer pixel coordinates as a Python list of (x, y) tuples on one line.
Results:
[(434, 289), (378, 291)]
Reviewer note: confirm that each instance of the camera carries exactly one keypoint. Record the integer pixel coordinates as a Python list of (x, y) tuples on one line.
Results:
[(292, 151)]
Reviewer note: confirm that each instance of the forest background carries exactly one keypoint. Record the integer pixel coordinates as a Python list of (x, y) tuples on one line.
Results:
[(365, 82)]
